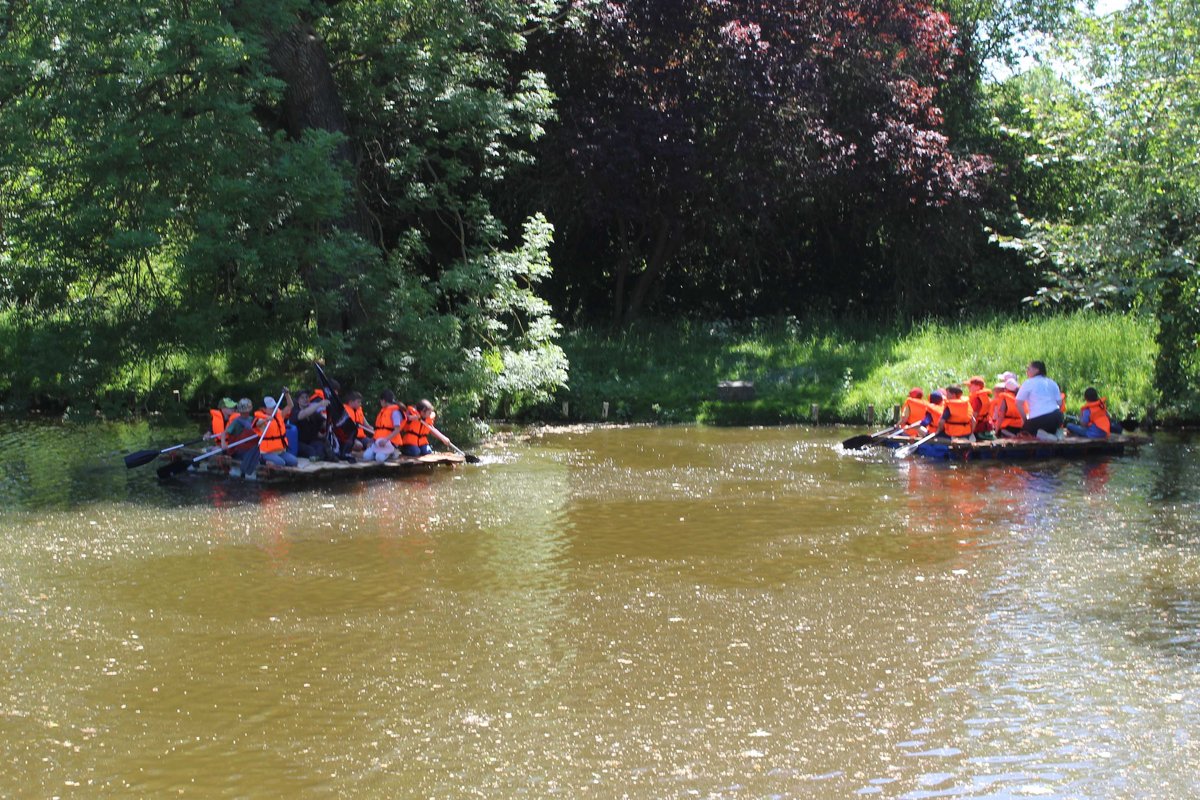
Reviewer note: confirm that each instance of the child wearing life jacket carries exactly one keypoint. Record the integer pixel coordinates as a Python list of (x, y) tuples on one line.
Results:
[(1007, 419), (271, 423), (956, 420), (240, 427), (934, 411), (219, 419), (912, 412), (1094, 422), (354, 440), (418, 424), (981, 405), (388, 429)]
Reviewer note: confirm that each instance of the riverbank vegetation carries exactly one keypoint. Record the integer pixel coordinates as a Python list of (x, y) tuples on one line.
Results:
[(669, 373), (451, 198)]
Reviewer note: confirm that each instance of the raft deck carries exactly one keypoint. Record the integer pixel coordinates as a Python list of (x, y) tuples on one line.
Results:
[(1071, 447), (306, 470)]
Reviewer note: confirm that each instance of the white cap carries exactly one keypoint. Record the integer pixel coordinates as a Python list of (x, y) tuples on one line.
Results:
[(269, 402), (1011, 384), (1006, 376)]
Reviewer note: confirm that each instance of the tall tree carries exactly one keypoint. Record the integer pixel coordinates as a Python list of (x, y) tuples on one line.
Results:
[(1132, 237), (686, 127), (195, 184)]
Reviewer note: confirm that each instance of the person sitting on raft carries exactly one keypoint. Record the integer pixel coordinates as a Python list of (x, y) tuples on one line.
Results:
[(418, 424), (981, 405), (352, 430), (219, 419), (241, 426), (1094, 422), (912, 412), (1006, 415), (388, 424), (956, 420), (273, 446), (933, 412), (309, 417), (1040, 402)]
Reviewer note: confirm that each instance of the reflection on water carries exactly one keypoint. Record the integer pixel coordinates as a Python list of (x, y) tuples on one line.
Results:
[(633, 612)]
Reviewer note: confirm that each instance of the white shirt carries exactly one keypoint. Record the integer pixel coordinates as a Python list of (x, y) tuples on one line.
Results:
[(1042, 394)]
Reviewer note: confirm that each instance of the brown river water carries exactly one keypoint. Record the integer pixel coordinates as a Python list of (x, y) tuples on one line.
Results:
[(641, 612)]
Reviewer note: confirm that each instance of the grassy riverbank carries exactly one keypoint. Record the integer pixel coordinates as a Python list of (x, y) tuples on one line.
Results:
[(669, 373)]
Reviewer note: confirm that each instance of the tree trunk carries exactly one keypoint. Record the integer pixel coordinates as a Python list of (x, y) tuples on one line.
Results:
[(660, 256), (624, 262), (312, 102)]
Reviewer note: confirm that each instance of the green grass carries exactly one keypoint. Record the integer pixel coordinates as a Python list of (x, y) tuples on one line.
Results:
[(669, 373)]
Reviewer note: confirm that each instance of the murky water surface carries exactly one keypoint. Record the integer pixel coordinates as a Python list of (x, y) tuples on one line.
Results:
[(651, 613)]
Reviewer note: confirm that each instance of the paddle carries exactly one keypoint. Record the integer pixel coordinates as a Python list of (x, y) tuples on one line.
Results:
[(251, 459), (146, 456), (471, 459), (338, 418), (167, 470), (862, 440), (903, 452)]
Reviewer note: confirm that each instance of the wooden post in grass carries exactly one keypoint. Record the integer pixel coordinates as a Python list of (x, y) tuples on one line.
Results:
[(566, 410), (815, 411), (604, 410), (895, 415), (871, 415), (1150, 417)]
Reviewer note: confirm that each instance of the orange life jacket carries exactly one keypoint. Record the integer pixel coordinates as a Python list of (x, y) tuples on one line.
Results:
[(359, 418), (958, 419), (935, 413), (981, 406), (1099, 414), (383, 423), (217, 421), (414, 431), (912, 411), (275, 439), (1005, 412)]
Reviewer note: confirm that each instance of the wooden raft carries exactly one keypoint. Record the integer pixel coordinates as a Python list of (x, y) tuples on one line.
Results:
[(1071, 447), (219, 466)]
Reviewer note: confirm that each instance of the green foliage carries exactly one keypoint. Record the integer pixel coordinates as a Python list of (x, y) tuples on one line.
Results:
[(168, 224), (670, 372), (1131, 237)]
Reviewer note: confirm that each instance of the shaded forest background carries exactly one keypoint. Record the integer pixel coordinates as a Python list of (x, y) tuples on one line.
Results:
[(203, 195)]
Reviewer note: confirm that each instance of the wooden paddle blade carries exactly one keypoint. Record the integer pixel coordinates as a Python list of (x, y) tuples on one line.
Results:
[(857, 442), (140, 457), (471, 458)]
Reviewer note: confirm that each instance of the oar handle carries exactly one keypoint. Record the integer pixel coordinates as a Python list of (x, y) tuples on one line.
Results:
[(200, 458), (446, 438), (904, 451), (180, 446)]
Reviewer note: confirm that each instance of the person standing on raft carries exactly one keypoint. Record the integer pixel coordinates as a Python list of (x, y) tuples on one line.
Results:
[(1039, 401)]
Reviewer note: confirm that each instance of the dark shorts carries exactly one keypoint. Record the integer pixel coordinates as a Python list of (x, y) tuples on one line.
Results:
[(1050, 423)]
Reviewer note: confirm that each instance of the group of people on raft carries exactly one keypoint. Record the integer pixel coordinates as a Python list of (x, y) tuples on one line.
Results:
[(1035, 408), (316, 425)]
